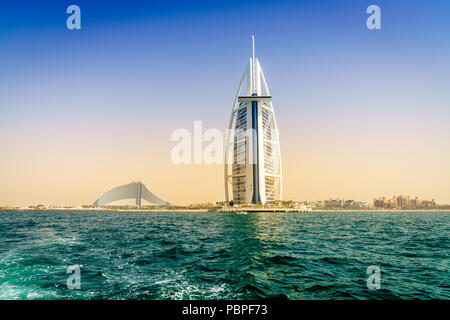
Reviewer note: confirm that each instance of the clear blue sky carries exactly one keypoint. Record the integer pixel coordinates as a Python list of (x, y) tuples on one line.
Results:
[(177, 46)]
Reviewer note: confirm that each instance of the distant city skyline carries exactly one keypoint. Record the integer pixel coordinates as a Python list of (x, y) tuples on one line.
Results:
[(108, 200), (362, 113)]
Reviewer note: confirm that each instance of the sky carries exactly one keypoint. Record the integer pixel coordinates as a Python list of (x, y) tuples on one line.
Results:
[(362, 113)]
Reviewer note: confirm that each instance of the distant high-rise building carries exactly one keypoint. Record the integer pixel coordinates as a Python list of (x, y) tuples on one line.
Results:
[(252, 152), (334, 203), (403, 201)]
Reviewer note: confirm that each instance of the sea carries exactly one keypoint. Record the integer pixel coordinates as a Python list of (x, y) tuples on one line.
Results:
[(208, 255)]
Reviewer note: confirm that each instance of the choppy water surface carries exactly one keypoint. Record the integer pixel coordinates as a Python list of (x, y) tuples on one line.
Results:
[(146, 255)]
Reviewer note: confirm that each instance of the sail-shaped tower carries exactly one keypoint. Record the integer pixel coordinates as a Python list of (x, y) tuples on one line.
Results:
[(252, 149)]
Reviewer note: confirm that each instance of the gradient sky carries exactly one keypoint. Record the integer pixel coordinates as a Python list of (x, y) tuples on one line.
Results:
[(362, 113)]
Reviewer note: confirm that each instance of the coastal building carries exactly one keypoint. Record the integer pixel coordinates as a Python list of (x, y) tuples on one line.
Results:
[(252, 150), (403, 202), (134, 194), (333, 203), (415, 202), (355, 204), (316, 204)]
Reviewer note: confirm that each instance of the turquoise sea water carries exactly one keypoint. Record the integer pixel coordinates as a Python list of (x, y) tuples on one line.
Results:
[(147, 255)]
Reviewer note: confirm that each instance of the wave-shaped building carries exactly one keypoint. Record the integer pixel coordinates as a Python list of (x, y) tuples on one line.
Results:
[(132, 194), (252, 151)]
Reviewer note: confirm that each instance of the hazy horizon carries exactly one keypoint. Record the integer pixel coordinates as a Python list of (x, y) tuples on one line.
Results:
[(361, 113)]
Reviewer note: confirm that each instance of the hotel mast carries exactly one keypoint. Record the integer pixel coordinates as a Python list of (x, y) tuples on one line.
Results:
[(252, 150)]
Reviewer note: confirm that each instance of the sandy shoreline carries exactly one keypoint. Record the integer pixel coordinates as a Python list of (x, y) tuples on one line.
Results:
[(280, 210)]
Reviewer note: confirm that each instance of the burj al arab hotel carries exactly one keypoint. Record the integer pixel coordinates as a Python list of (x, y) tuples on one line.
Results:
[(252, 150)]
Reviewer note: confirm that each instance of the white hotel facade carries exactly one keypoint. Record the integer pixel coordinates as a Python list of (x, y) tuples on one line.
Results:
[(253, 172)]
